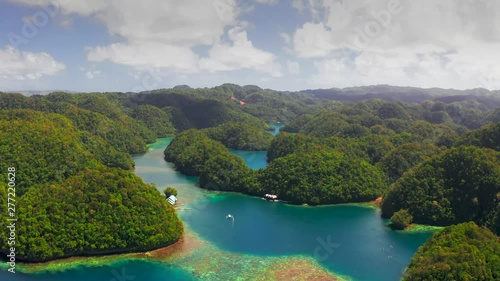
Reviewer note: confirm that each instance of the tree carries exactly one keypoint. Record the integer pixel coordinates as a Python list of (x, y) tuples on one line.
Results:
[(69, 203), (457, 186), (191, 149), (316, 174), (401, 159), (155, 119), (487, 136), (44, 146), (97, 211), (240, 136), (285, 143), (170, 191), (459, 252), (401, 219), (392, 110)]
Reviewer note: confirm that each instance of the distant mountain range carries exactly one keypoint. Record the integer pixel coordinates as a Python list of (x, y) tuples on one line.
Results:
[(407, 94), (384, 92)]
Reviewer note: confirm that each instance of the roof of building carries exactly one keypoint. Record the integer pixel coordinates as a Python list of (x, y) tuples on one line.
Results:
[(172, 199)]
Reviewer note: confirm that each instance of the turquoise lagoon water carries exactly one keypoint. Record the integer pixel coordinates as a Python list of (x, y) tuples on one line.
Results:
[(349, 240), (257, 159), (277, 128), (128, 270), (254, 159)]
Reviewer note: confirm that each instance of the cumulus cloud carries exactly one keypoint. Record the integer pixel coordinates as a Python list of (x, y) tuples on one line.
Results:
[(446, 43), (163, 33), (145, 55), (21, 65), (293, 67), (419, 66), (422, 43), (313, 40), (239, 54)]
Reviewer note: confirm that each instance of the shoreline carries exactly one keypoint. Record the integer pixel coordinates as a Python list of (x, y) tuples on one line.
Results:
[(375, 204), (102, 253), (418, 228), (202, 259), (69, 262)]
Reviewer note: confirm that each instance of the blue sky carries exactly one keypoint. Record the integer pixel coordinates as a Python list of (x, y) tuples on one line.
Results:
[(127, 45)]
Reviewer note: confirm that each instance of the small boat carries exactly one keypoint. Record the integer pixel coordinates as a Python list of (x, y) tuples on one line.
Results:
[(229, 216), (271, 197)]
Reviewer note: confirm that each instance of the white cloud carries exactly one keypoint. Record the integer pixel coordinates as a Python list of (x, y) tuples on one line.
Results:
[(313, 40), (293, 67), (401, 22), (422, 66), (185, 23), (238, 55), (163, 33), (21, 65), (421, 43), (447, 43), (147, 54)]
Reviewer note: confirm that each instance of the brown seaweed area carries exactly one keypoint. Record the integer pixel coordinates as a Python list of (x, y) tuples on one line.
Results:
[(210, 263), (299, 270), (207, 262)]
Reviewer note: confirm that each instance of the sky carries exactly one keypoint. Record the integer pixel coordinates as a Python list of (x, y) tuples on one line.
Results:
[(130, 45)]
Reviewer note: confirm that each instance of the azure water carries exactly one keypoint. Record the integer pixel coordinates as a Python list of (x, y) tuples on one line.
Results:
[(348, 240)]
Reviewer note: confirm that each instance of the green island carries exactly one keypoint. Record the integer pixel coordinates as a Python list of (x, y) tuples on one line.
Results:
[(433, 162), (68, 202), (459, 252)]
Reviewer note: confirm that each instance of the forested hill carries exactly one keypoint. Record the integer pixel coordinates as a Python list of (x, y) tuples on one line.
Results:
[(432, 154), (393, 137), (408, 94), (207, 107), (67, 201), (314, 175), (459, 252)]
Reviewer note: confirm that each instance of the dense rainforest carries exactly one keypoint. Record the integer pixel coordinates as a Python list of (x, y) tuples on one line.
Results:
[(98, 211), (459, 252), (460, 185), (44, 148), (316, 175), (432, 154), (321, 175), (240, 136), (69, 203), (195, 154)]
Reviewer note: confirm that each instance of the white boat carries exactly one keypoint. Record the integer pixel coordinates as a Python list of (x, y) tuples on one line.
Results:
[(271, 197), (229, 216)]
